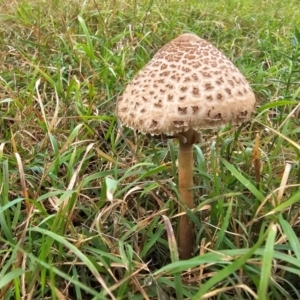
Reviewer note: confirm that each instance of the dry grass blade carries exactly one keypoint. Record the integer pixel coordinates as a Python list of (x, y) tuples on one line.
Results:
[(270, 196), (76, 173), (219, 291), (132, 276), (256, 159), (59, 294), (171, 238), (291, 114), (194, 210), (54, 120), (140, 288), (280, 134), (40, 102), (23, 183), (2, 145), (284, 180)]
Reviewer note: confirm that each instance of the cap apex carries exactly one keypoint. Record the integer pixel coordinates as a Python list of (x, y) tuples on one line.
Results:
[(187, 37)]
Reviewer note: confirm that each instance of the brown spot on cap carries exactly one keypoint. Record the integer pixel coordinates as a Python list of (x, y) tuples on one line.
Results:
[(195, 77), (180, 123), (195, 108), (208, 86), (166, 73), (196, 64), (195, 91), (153, 123), (228, 91), (243, 114), (218, 116), (158, 103), (185, 69), (189, 56), (182, 110), (206, 74)]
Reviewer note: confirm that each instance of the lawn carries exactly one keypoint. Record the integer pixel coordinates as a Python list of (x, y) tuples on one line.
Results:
[(89, 209)]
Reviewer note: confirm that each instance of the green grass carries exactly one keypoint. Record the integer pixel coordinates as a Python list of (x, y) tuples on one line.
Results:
[(87, 209)]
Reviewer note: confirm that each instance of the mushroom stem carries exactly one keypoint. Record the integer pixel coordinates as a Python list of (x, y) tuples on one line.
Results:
[(185, 178)]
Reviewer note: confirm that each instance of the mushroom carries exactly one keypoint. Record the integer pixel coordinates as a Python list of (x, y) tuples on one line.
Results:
[(188, 85)]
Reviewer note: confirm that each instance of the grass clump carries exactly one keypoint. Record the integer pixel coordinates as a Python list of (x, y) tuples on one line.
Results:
[(86, 210)]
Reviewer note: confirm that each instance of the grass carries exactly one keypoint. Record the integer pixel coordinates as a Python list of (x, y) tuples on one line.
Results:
[(87, 209)]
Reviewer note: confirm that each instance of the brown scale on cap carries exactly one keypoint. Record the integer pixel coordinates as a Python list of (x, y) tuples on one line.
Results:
[(188, 84)]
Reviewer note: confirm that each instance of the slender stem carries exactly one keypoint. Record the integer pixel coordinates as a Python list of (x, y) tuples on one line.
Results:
[(185, 174)]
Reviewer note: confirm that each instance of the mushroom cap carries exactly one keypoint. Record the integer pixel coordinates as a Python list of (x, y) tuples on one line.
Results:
[(187, 84)]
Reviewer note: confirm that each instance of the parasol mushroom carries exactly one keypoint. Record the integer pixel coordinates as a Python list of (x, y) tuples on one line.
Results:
[(188, 85)]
